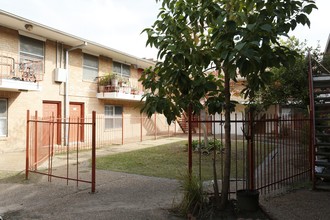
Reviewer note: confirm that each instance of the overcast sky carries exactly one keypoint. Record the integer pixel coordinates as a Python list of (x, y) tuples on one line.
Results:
[(118, 23)]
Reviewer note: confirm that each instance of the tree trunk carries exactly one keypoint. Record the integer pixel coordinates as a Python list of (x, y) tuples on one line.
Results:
[(227, 158)]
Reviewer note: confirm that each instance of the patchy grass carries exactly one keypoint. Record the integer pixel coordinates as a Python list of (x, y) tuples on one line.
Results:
[(168, 161)]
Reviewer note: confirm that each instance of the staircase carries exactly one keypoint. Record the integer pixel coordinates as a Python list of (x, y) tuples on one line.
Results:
[(184, 125), (320, 113)]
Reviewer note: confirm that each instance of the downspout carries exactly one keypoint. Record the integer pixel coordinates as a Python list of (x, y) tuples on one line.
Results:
[(66, 91)]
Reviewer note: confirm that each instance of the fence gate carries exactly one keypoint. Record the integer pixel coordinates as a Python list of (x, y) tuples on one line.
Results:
[(268, 152), (64, 160)]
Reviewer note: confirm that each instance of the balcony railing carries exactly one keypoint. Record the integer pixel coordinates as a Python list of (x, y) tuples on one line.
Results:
[(20, 72), (126, 89), (24, 68)]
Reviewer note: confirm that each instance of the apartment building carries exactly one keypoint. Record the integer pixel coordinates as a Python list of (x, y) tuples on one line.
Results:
[(57, 74)]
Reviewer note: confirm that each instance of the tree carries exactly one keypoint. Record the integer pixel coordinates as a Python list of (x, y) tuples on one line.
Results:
[(289, 84), (231, 36)]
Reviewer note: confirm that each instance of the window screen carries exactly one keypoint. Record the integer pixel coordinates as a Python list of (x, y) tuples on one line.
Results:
[(90, 67), (3, 118)]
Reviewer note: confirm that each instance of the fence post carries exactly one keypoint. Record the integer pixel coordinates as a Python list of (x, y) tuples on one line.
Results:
[(141, 123), (122, 130), (250, 160), (155, 125), (189, 141), (27, 144), (36, 141), (93, 149)]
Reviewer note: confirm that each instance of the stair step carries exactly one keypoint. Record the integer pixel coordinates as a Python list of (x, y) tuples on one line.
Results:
[(321, 81), (322, 77), (322, 163), (322, 187), (321, 92), (325, 154), (323, 127), (322, 98), (323, 147), (322, 135), (323, 175), (320, 119), (322, 105)]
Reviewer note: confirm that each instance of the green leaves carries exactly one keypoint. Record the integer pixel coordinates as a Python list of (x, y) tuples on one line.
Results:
[(240, 36)]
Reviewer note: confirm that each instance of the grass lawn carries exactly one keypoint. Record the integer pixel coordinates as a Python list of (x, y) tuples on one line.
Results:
[(169, 161)]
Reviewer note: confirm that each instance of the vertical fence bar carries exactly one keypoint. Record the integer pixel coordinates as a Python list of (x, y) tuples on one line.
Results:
[(141, 126), (77, 145), (36, 142), (68, 125), (244, 153), (123, 127), (27, 144), (155, 126), (251, 152), (93, 149), (236, 156), (189, 141)]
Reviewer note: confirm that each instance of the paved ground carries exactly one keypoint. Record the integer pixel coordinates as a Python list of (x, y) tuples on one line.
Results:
[(124, 196), (118, 196)]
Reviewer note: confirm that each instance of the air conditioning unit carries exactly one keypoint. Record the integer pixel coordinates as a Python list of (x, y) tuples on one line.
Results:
[(60, 75)]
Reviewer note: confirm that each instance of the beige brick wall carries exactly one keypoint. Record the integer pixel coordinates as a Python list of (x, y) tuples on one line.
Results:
[(79, 90)]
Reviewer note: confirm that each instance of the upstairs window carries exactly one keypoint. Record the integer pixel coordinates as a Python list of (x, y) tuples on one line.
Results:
[(90, 67), (31, 56), (121, 69), (3, 118), (113, 116)]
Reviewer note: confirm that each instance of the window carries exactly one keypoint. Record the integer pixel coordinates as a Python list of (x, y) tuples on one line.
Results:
[(113, 116), (90, 67), (31, 55), (3, 118), (121, 69)]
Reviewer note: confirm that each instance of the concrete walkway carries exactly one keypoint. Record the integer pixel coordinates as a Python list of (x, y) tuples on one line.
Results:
[(118, 195), (15, 161)]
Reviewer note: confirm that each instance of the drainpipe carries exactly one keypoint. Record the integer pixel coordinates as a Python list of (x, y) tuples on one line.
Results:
[(66, 91)]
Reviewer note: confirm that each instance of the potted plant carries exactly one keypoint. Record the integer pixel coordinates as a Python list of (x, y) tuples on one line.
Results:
[(104, 81), (135, 90), (114, 79)]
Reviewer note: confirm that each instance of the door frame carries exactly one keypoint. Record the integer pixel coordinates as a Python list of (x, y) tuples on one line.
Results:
[(58, 118), (82, 118)]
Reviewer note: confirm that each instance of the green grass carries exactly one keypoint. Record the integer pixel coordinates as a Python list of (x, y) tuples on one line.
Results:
[(168, 161)]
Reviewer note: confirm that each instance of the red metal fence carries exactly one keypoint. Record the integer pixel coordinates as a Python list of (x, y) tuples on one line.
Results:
[(66, 138), (42, 146), (268, 152)]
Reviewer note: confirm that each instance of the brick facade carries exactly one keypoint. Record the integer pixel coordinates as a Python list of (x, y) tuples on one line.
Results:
[(80, 91)]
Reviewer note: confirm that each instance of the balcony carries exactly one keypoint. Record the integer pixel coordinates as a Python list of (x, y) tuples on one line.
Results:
[(19, 73), (124, 89)]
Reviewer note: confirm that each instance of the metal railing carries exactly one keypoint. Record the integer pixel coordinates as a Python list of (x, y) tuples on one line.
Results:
[(19, 67), (41, 148), (268, 152)]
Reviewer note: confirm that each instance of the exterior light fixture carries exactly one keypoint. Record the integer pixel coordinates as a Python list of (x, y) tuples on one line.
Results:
[(29, 27)]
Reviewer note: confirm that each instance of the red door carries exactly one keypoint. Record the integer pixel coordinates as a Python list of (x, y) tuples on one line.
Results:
[(51, 132), (76, 131)]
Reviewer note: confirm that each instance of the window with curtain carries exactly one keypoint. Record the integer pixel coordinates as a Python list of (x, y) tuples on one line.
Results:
[(122, 69), (90, 67), (113, 116), (3, 118)]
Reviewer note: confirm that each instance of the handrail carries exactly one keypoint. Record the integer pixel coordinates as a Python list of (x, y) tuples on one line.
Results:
[(312, 118)]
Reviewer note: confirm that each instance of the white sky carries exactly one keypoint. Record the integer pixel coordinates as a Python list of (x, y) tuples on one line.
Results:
[(118, 23)]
